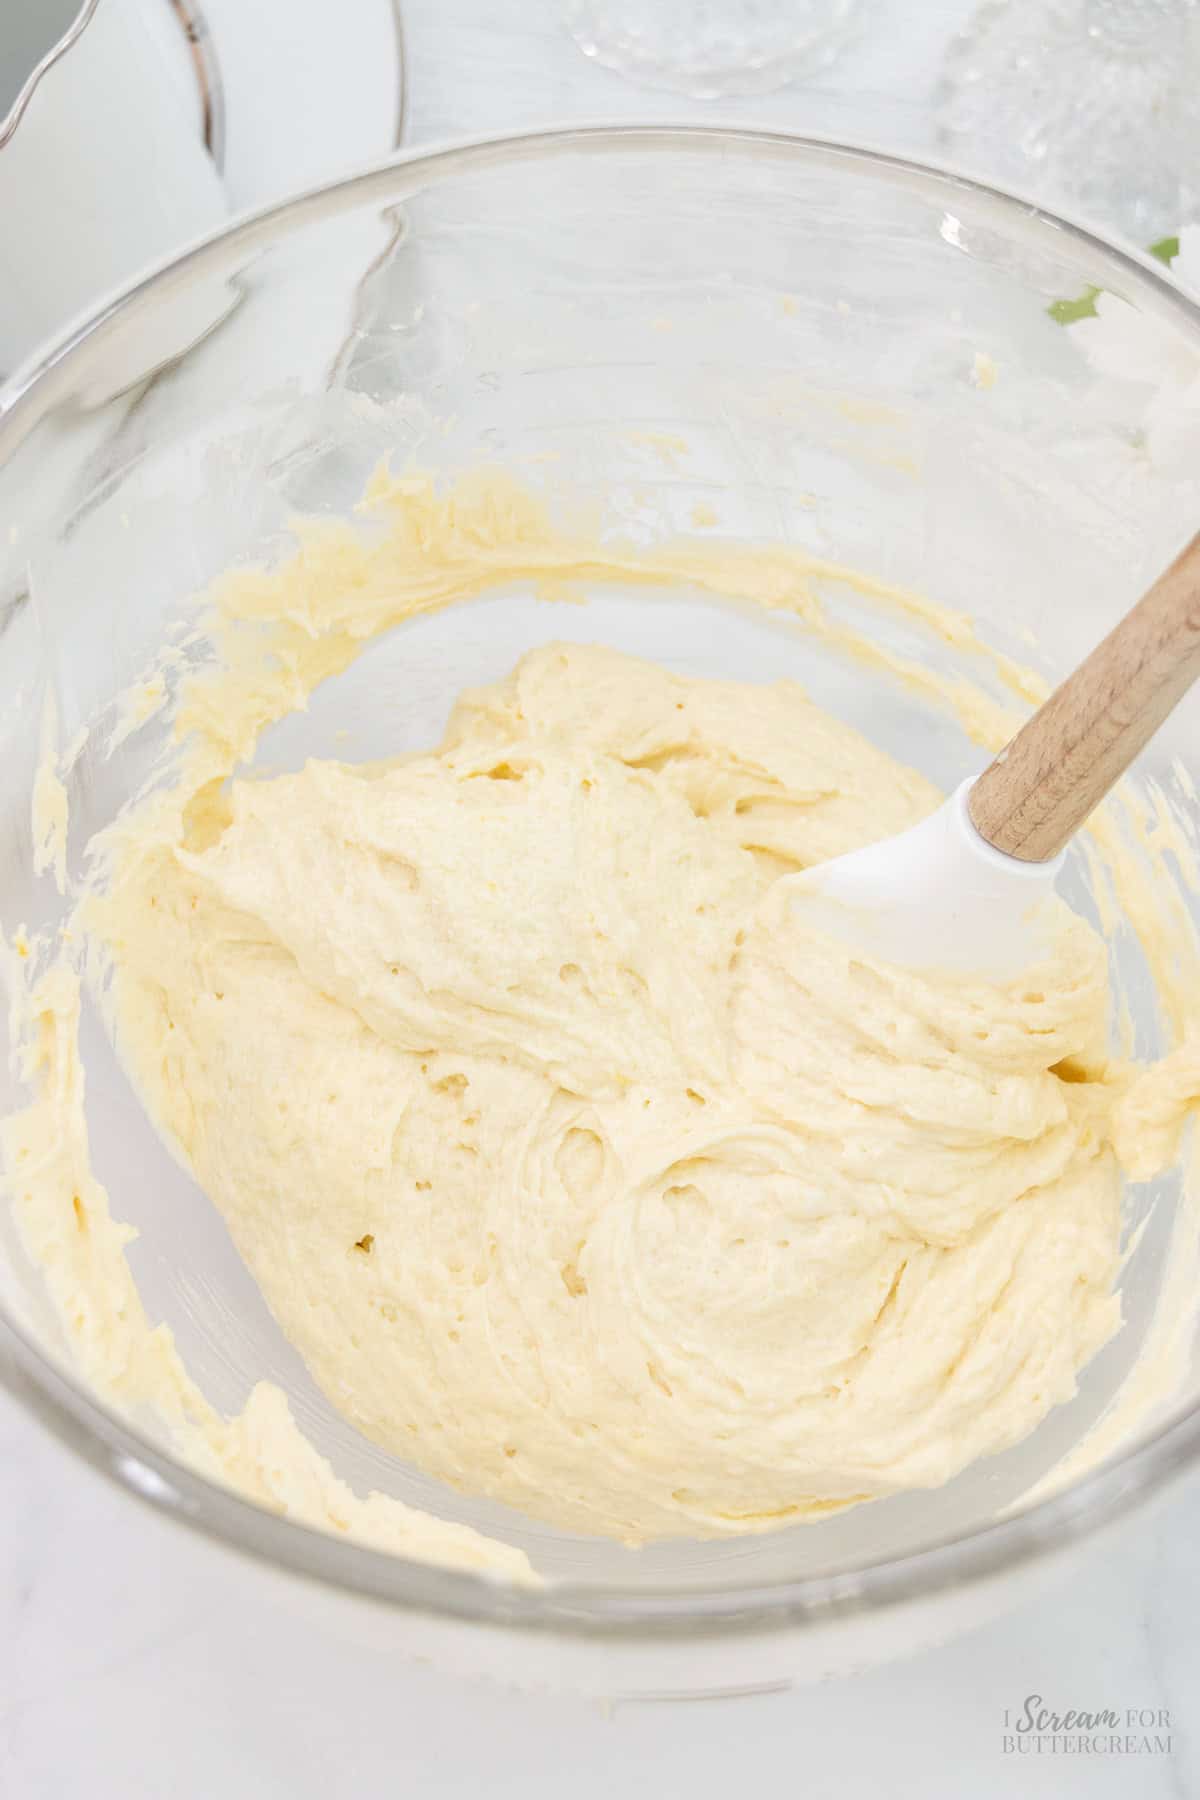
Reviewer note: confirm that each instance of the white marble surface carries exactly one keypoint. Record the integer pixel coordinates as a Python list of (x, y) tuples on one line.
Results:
[(137, 1660)]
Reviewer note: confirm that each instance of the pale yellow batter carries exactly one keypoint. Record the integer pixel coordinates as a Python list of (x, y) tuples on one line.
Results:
[(574, 1168), (581, 1173)]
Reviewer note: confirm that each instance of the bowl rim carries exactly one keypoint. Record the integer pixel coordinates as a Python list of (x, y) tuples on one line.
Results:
[(118, 1449)]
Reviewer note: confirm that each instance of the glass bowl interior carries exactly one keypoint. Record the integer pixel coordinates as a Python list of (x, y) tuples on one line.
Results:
[(803, 342)]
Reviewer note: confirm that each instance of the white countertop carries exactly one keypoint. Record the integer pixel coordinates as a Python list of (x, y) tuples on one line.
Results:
[(137, 1660)]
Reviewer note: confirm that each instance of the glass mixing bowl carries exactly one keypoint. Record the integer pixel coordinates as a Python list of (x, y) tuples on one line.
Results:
[(802, 340)]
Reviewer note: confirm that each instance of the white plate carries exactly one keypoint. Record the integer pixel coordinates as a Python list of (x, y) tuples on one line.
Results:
[(310, 90)]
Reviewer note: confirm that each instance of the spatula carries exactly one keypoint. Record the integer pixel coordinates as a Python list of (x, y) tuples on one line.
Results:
[(961, 890)]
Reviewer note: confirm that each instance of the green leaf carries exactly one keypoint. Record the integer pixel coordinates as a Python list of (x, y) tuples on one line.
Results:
[(1065, 312)]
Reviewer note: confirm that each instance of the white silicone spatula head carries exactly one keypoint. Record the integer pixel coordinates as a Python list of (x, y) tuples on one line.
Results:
[(938, 895), (962, 890)]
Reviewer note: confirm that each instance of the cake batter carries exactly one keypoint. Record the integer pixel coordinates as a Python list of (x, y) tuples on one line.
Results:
[(580, 1172)]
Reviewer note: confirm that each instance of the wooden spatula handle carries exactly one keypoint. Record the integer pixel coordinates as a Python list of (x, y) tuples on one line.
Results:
[(1060, 765)]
